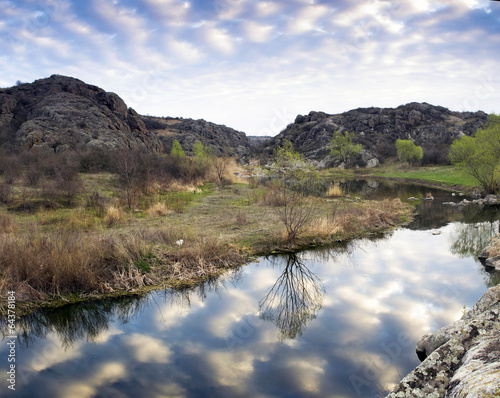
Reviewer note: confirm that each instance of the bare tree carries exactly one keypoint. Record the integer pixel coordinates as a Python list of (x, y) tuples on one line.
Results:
[(294, 299)]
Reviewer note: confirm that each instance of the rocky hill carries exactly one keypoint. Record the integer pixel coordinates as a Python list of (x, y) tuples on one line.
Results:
[(61, 112), (219, 138), (432, 127)]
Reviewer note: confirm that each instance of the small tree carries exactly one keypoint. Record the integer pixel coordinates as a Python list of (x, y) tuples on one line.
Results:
[(295, 180), (480, 155), (220, 165), (408, 151), (342, 147), (177, 150)]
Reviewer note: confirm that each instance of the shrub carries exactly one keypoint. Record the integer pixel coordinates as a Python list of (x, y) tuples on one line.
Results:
[(96, 203), (5, 192)]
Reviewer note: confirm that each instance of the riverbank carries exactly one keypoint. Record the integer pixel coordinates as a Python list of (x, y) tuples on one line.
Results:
[(55, 257), (442, 177)]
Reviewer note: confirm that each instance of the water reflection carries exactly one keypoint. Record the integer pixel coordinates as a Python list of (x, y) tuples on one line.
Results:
[(294, 299), (323, 323), (468, 240), (87, 321)]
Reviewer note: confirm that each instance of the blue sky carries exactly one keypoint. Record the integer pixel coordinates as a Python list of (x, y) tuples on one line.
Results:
[(254, 65)]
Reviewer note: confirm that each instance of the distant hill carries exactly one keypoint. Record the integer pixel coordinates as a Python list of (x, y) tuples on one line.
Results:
[(61, 112), (219, 138), (432, 127)]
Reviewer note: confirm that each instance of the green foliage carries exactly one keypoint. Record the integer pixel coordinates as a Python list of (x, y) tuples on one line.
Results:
[(408, 151), (294, 171), (177, 150), (342, 147), (480, 155)]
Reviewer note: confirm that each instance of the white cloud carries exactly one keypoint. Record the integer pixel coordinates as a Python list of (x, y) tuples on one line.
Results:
[(306, 19), (185, 50), (256, 32), (106, 373), (148, 349), (265, 9), (219, 39)]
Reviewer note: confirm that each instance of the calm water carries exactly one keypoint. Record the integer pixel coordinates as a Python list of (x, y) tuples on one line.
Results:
[(341, 322)]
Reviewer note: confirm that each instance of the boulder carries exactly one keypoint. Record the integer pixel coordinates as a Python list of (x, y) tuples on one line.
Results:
[(461, 359), (61, 112)]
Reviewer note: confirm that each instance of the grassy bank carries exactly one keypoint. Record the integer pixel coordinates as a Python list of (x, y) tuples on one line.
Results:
[(98, 247), (439, 176)]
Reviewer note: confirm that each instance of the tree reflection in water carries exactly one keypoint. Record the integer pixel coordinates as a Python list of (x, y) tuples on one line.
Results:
[(294, 299), (481, 224), (75, 322)]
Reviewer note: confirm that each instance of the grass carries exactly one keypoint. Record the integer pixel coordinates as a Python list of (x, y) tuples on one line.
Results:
[(446, 176), (53, 256)]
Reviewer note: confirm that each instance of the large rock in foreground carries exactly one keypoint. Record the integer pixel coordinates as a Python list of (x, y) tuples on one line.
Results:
[(462, 359), (62, 112)]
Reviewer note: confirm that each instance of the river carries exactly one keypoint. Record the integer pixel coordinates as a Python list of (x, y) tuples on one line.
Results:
[(341, 322)]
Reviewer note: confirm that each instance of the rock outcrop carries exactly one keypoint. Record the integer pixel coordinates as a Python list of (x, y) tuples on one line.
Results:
[(219, 138), (490, 256), (461, 359), (432, 127), (62, 112)]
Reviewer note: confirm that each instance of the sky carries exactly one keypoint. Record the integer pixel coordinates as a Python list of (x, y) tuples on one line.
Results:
[(255, 65)]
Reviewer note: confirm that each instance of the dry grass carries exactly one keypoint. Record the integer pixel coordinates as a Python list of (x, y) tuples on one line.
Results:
[(8, 223), (114, 215), (36, 264), (179, 186), (334, 190), (158, 210), (351, 218), (43, 265)]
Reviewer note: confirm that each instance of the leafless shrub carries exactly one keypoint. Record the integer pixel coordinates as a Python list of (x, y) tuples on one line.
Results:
[(5, 193), (33, 175), (241, 218), (96, 203)]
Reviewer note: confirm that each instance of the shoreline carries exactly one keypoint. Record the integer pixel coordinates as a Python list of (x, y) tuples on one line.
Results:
[(238, 247)]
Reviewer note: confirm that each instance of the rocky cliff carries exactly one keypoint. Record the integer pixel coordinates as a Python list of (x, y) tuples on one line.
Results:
[(432, 127), (61, 112), (461, 359), (219, 138)]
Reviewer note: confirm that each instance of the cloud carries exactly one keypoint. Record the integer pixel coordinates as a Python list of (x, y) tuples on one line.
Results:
[(219, 39), (266, 9), (306, 19), (148, 349), (256, 32), (107, 373)]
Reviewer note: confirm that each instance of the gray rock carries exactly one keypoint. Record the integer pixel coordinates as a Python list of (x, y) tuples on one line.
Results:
[(61, 112), (219, 138), (463, 359), (432, 127), (491, 199)]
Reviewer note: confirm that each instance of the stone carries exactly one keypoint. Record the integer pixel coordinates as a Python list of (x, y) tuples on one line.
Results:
[(219, 139), (461, 359), (377, 129), (59, 113), (491, 199)]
